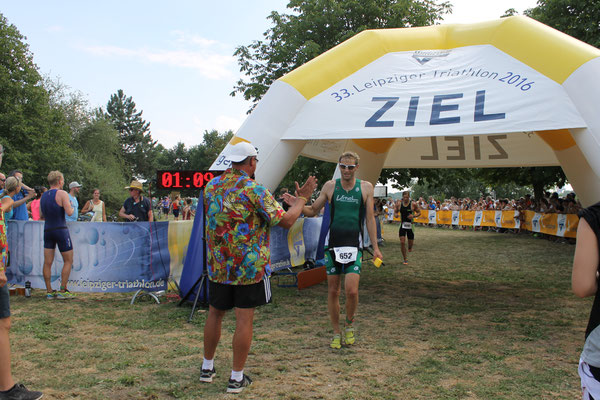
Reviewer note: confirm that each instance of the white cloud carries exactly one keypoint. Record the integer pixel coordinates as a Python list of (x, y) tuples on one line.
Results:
[(186, 38), (193, 52), (55, 28), (169, 138), (224, 123)]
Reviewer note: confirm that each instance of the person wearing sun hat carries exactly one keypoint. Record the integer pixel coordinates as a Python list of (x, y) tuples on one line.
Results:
[(136, 207)]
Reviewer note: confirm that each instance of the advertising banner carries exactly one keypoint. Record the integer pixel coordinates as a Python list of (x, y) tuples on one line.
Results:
[(564, 225), (107, 256), (461, 91)]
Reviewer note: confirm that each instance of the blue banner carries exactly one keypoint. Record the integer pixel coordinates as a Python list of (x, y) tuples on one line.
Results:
[(107, 256), (294, 246)]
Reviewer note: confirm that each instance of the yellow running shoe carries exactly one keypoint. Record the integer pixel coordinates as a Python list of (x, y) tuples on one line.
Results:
[(349, 333), (336, 342)]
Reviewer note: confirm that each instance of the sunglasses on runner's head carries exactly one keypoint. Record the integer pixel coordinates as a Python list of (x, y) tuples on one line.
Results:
[(349, 167)]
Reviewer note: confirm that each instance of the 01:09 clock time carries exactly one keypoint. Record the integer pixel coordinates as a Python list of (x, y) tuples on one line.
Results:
[(183, 179)]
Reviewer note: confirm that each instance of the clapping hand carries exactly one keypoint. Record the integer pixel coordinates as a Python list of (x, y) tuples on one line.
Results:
[(307, 189)]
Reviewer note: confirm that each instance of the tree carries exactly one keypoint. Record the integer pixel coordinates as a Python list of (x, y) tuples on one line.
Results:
[(34, 134), (539, 178), (315, 26), (100, 163), (578, 18), (139, 150)]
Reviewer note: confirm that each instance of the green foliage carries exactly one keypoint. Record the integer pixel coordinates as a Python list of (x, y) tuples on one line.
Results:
[(578, 18), (100, 164), (34, 134), (139, 150), (315, 26), (302, 168), (538, 178)]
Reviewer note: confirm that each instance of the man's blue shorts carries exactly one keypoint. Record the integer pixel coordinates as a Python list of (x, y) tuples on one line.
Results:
[(60, 237)]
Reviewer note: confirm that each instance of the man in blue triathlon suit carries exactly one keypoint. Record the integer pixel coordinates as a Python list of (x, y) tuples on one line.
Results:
[(351, 201), (54, 204)]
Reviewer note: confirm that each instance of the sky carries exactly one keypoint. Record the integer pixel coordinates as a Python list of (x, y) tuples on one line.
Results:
[(175, 59)]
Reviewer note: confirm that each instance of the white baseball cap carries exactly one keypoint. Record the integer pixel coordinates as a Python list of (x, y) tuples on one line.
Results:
[(74, 185), (239, 152)]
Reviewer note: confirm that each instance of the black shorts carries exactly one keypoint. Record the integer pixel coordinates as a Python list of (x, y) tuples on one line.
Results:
[(226, 297), (4, 302), (165, 210), (406, 232), (60, 237), (176, 212)]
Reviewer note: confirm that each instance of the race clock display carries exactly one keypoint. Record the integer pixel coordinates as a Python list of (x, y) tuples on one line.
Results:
[(183, 179)]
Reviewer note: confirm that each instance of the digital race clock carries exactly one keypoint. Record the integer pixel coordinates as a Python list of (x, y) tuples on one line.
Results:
[(183, 179)]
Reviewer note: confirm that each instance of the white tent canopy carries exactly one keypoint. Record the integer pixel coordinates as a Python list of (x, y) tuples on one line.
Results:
[(505, 93)]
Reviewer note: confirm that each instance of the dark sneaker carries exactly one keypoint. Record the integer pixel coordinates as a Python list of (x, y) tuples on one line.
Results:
[(207, 375), (20, 392), (238, 386)]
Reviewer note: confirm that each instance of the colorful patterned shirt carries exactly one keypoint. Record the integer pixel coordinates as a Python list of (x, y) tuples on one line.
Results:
[(3, 240), (239, 214)]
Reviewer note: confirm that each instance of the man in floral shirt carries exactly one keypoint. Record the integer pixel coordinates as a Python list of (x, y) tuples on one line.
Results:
[(239, 215)]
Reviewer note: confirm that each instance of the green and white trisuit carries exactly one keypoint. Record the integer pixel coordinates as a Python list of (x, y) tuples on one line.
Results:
[(343, 244)]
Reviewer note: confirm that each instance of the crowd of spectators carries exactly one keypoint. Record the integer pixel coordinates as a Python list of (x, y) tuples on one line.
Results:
[(386, 209), (549, 203)]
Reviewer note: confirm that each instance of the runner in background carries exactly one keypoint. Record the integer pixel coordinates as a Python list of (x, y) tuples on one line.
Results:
[(408, 210)]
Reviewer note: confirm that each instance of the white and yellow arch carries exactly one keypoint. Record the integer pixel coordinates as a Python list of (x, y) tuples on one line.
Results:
[(504, 93)]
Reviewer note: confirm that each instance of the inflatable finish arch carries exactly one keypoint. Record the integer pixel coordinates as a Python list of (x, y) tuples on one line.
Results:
[(505, 93)]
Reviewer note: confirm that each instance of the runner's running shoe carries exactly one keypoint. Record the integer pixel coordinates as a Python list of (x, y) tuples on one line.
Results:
[(238, 386), (349, 335), (207, 375), (51, 296), (64, 295), (336, 342)]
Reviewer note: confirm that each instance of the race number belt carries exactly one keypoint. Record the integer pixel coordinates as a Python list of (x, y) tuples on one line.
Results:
[(406, 225), (345, 255)]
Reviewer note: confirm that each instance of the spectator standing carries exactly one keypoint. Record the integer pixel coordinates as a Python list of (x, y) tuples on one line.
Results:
[(54, 204), (137, 207), (239, 214), (175, 206), (97, 206), (187, 210), (8, 388), (12, 187), (20, 198), (166, 205), (34, 206), (74, 188), (280, 200)]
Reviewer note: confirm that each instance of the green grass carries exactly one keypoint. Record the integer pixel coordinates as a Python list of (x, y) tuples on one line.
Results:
[(475, 315)]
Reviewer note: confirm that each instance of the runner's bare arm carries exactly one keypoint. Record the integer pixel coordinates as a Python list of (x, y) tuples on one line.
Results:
[(367, 189), (585, 263), (319, 203)]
